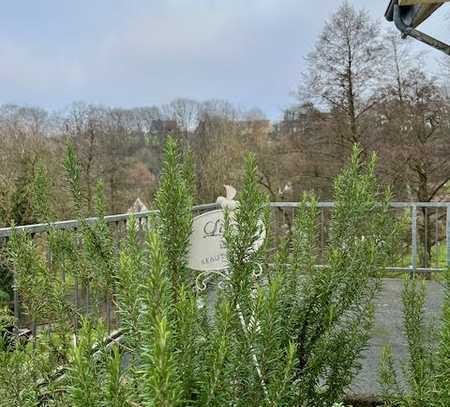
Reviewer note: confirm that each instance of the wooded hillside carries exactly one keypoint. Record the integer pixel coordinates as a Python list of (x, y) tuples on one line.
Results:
[(361, 86)]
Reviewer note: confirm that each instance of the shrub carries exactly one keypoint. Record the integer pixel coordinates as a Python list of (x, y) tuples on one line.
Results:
[(283, 331), (427, 370)]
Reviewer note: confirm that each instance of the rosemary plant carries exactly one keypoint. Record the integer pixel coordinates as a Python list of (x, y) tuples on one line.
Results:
[(174, 202), (129, 284), (162, 385), (332, 312), (427, 370), (284, 332)]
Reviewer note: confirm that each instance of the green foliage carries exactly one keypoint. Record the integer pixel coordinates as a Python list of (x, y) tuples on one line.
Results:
[(280, 332), (297, 331), (129, 286), (40, 194), (260, 366), (6, 280), (163, 339), (328, 310), (23, 367), (117, 390), (242, 230), (94, 376), (31, 277), (83, 375), (97, 262), (419, 363), (73, 177), (21, 212), (442, 376), (216, 381), (189, 338), (6, 323), (20, 371), (174, 202), (427, 370), (38, 200), (99, 248), (36, 261), (46, 272), (161, 380)]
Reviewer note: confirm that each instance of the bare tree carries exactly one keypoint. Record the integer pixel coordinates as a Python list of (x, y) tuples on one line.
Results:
[(23, 131), (184, 112), (83, 124), (343, 68), (411, 129), (400, 60), (412, 138)]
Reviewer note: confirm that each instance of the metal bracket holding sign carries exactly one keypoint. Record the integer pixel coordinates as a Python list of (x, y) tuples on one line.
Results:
[(408, 14)]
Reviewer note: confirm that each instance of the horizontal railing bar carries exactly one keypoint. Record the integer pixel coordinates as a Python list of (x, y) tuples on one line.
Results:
[(73, 224), (420, 204), (417, 269), (287, 205), (387, 269), (66, 224), (392, 205)]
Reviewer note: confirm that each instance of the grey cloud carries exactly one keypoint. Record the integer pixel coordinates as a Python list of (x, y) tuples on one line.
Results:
[(250, 52)]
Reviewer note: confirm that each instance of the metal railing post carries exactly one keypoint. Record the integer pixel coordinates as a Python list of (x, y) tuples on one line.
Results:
[(414, 237), (322, 235), (448, 235), (16, 303), (436, 239), (425, 239)]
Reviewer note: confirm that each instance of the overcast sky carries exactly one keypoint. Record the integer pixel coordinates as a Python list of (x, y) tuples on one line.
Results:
[(147, 52)]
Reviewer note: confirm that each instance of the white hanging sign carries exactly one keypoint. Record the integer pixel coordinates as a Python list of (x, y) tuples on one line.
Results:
[(207, 246), (208, 251)]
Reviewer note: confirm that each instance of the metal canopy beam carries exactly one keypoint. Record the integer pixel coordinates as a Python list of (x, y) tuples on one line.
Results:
[(420, 2), (408, 14), (413, 12)]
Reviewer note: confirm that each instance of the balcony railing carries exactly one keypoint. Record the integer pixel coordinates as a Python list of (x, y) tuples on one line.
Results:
[(425, 249)]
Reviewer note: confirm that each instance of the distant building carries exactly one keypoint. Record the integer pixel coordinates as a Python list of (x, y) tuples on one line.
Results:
[(163, 127), (301, 121)]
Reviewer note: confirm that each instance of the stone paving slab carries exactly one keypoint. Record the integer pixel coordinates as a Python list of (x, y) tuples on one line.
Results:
[(388, 329)]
